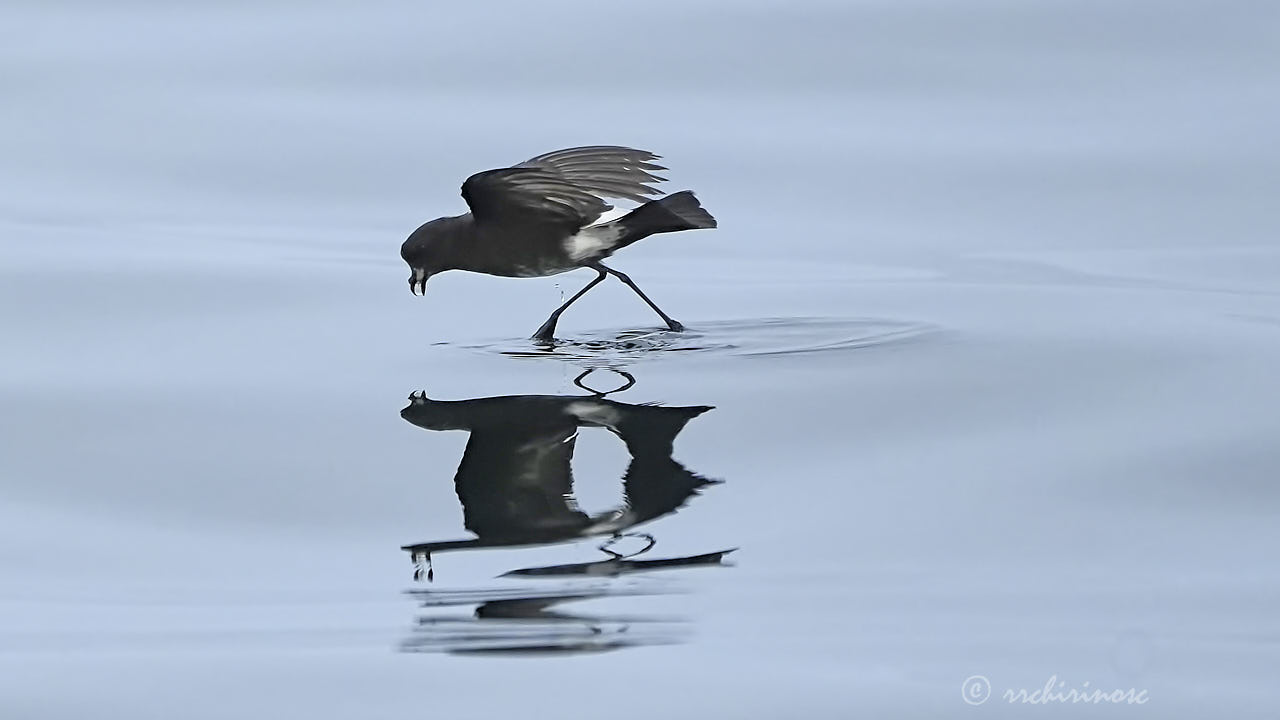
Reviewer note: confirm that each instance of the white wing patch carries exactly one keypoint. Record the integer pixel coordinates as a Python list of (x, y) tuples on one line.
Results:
[(593, 241)]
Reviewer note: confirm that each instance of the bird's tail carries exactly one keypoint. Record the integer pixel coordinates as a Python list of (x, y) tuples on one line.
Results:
[(673, 213), (652, 429)]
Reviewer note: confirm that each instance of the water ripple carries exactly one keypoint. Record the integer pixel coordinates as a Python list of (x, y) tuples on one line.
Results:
[(741, 338)]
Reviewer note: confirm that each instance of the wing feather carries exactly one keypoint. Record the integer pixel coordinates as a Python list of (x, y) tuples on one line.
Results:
[(564, 187)]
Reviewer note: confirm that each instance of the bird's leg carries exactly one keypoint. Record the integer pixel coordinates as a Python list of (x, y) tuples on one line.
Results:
[(671, 323), (548, 329)]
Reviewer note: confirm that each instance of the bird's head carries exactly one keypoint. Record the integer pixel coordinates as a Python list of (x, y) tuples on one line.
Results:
[(432, 414), (424, 252)]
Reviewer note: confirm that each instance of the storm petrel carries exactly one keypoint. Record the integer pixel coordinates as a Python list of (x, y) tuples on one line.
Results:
[(540, 217)]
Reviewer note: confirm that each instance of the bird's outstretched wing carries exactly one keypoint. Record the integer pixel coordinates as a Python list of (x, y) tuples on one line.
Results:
[(563, 187), (607, 171)]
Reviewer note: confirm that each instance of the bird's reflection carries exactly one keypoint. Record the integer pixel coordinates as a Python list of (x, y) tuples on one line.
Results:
[(515, 483)]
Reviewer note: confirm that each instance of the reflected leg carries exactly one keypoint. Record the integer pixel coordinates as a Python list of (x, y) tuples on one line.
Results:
[(605, 548), (626, 376)]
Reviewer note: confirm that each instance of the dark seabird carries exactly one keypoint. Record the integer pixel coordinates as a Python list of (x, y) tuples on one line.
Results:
[(515, 479), (539, 218)]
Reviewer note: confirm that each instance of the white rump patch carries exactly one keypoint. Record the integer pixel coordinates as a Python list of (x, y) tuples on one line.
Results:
[(594, 413), (592, 241)]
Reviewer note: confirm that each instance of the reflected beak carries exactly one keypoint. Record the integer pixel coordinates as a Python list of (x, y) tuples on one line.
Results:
[(418, 282)]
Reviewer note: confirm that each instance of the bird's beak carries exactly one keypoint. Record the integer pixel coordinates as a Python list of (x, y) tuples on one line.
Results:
[(418, 282)]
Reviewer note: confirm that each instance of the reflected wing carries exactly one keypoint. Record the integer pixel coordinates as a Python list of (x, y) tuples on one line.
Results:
[(655, 486), (517, 484), (565, 187)]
